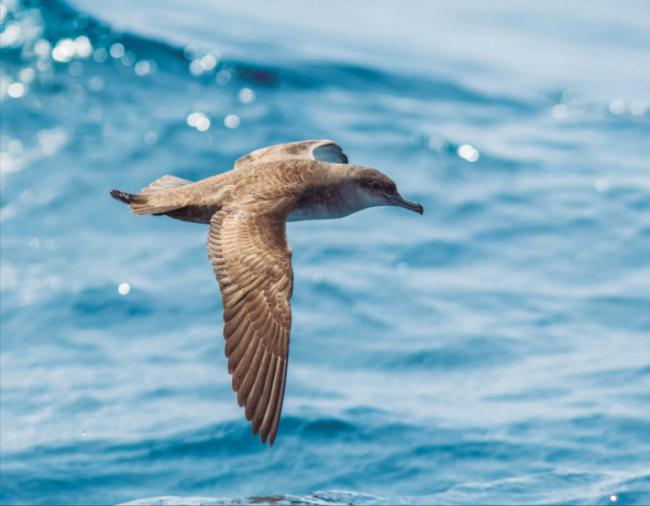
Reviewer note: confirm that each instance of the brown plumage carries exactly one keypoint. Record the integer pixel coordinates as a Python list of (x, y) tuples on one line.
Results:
[(247, 209)]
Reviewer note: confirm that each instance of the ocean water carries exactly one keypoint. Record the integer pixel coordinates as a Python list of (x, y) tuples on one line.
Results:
[(494, 350)]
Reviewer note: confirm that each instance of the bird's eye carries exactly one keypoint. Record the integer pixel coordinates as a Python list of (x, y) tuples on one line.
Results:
[(375, 185)]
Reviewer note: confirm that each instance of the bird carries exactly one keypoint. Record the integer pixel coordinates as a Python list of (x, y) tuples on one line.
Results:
[(247, 209)]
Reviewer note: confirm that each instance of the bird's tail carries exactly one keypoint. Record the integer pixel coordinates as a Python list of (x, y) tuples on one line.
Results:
[(151, 199), (127, 198), (136, 201)]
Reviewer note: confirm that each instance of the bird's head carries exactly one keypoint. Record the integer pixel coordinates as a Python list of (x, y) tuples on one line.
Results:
[(376, 189)]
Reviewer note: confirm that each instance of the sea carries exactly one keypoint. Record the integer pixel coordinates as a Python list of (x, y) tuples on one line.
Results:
[(495, 350)]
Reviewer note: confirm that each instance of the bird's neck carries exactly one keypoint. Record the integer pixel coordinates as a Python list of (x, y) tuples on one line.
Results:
[(333, 195)]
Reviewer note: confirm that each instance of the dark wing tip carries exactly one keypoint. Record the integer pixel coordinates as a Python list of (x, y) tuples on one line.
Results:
[(268, 437)]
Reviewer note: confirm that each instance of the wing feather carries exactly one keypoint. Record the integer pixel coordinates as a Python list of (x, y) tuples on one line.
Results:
[(273, 401), (258, 385), (248, 249), (323, 150), (278, 408)]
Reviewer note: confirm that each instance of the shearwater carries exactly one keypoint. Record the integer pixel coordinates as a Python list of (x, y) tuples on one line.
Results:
[(247, 209)]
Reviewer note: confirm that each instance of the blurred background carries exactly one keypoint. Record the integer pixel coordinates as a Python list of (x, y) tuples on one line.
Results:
[(494, 350)]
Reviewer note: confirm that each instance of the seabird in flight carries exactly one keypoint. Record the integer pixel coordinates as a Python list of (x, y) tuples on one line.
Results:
[(247, 209)]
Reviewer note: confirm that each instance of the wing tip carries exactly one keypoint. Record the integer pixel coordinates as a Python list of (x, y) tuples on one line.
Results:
[(330, 152), (268, 438), (272, 439)]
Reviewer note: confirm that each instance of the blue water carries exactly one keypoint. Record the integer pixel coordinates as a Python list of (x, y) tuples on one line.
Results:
[(494, 350)]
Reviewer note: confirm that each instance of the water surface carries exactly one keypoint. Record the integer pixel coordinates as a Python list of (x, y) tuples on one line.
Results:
[(494, 350)]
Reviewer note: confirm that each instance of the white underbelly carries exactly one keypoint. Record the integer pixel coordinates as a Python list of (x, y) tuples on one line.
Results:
[(316, 213)]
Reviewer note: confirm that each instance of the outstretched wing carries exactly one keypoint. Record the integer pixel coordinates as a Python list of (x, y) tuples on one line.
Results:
[(321, 150), (252, 260)]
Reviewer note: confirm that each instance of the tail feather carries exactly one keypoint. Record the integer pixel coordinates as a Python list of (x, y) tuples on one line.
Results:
[(139, 203), (125, 197), (147, 202), (165, 183)]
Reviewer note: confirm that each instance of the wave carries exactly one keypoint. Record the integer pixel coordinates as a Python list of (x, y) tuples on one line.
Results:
[(320, 498), (58, 26), (491, 351)]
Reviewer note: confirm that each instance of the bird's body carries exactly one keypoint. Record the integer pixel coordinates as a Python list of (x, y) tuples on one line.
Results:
[(247, 209)]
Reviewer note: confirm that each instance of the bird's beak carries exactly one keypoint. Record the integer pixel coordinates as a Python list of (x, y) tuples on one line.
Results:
[(398, 200)]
